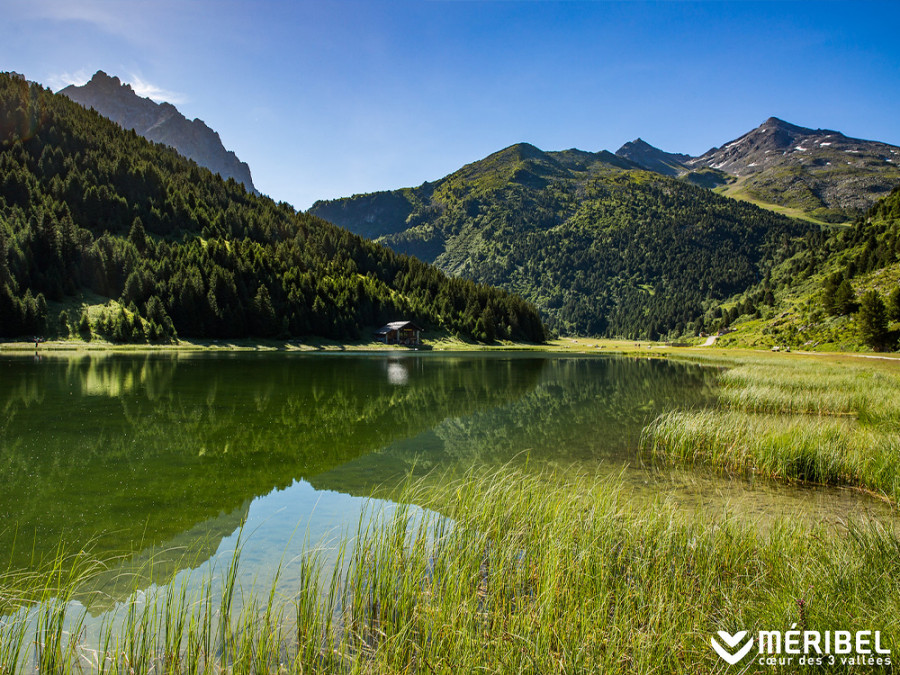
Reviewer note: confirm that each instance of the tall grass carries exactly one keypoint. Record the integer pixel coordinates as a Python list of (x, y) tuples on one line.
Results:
[(788, 447), (35, 615), (511, 573), (867, 392), (795, 419)]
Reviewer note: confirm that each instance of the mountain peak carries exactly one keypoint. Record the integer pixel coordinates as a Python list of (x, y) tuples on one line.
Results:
[(159, 122), (652, 158), (103, 81), (522, 151), (639, 143), (524, 161), (511, 155), (100, 77), (775, 124)]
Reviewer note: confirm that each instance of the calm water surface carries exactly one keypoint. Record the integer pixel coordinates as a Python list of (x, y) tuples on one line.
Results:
[(163, 457)]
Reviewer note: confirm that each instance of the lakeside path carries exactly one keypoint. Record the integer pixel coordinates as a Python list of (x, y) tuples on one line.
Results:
[(440, 344)]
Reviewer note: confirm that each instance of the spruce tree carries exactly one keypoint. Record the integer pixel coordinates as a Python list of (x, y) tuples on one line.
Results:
[(872, 321), (844, 298), (893, 305)]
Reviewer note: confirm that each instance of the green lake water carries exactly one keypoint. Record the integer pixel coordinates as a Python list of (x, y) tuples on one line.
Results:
[(163, 457)]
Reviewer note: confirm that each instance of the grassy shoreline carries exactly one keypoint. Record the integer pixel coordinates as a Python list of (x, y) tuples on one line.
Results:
[(529, 574), (439, 343), (802, 419)]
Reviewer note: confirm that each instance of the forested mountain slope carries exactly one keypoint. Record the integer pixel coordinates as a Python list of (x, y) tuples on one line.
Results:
[(839, 290), (600, 246), (86, 206)]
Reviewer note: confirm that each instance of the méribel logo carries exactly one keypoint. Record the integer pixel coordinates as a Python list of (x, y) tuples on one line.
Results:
[(731, 641)]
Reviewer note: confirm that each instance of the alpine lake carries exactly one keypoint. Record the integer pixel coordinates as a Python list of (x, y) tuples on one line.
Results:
[(161, 464)]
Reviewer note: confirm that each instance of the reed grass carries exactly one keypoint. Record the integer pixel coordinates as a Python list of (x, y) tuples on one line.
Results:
[(505, 573), (795, 419)]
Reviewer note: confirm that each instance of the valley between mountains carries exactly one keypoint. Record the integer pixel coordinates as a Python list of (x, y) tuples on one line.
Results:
[(784, 236), (646, 243)]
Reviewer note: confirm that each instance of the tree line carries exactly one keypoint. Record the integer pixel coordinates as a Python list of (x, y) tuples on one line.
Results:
[(86, 206)]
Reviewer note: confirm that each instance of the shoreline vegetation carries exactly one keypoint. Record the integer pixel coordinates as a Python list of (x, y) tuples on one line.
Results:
[(796, 419), (441, 341), (505, 572)]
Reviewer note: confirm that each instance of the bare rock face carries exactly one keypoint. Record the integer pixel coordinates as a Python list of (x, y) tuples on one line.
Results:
[(161, 123)]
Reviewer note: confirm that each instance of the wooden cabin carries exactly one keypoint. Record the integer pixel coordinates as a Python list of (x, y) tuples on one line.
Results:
[(399, 333)]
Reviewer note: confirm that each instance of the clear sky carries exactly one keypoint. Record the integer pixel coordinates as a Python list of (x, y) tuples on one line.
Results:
[(328, 98)]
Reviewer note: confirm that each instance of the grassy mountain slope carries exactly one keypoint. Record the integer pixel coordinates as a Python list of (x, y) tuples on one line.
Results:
[(88, 207), (598, 245)]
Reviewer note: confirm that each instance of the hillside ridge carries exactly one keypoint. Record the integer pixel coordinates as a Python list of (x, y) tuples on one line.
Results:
[(598, 244), (106, 234)]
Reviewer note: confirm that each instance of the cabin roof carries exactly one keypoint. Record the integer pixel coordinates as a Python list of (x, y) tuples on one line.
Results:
[(396, 325)]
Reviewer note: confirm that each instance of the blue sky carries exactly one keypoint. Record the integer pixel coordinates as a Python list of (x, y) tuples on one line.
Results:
[(330, 98)]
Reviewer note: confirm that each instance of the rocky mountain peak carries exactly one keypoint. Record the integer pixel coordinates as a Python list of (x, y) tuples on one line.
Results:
[(774, 142), (652, 158), (101, 79), (639, 144), (818, 171), (161, 123)]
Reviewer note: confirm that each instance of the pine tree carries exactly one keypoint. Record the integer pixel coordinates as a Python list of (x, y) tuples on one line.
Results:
[(137, 235), (893, 305), (84, 325), (265, 323), (872, 321), (63, 323), (844, 298)]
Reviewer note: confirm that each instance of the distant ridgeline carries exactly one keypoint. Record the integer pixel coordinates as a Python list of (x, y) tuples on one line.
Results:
[(817, 173), (88, 207), (600, 245)]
